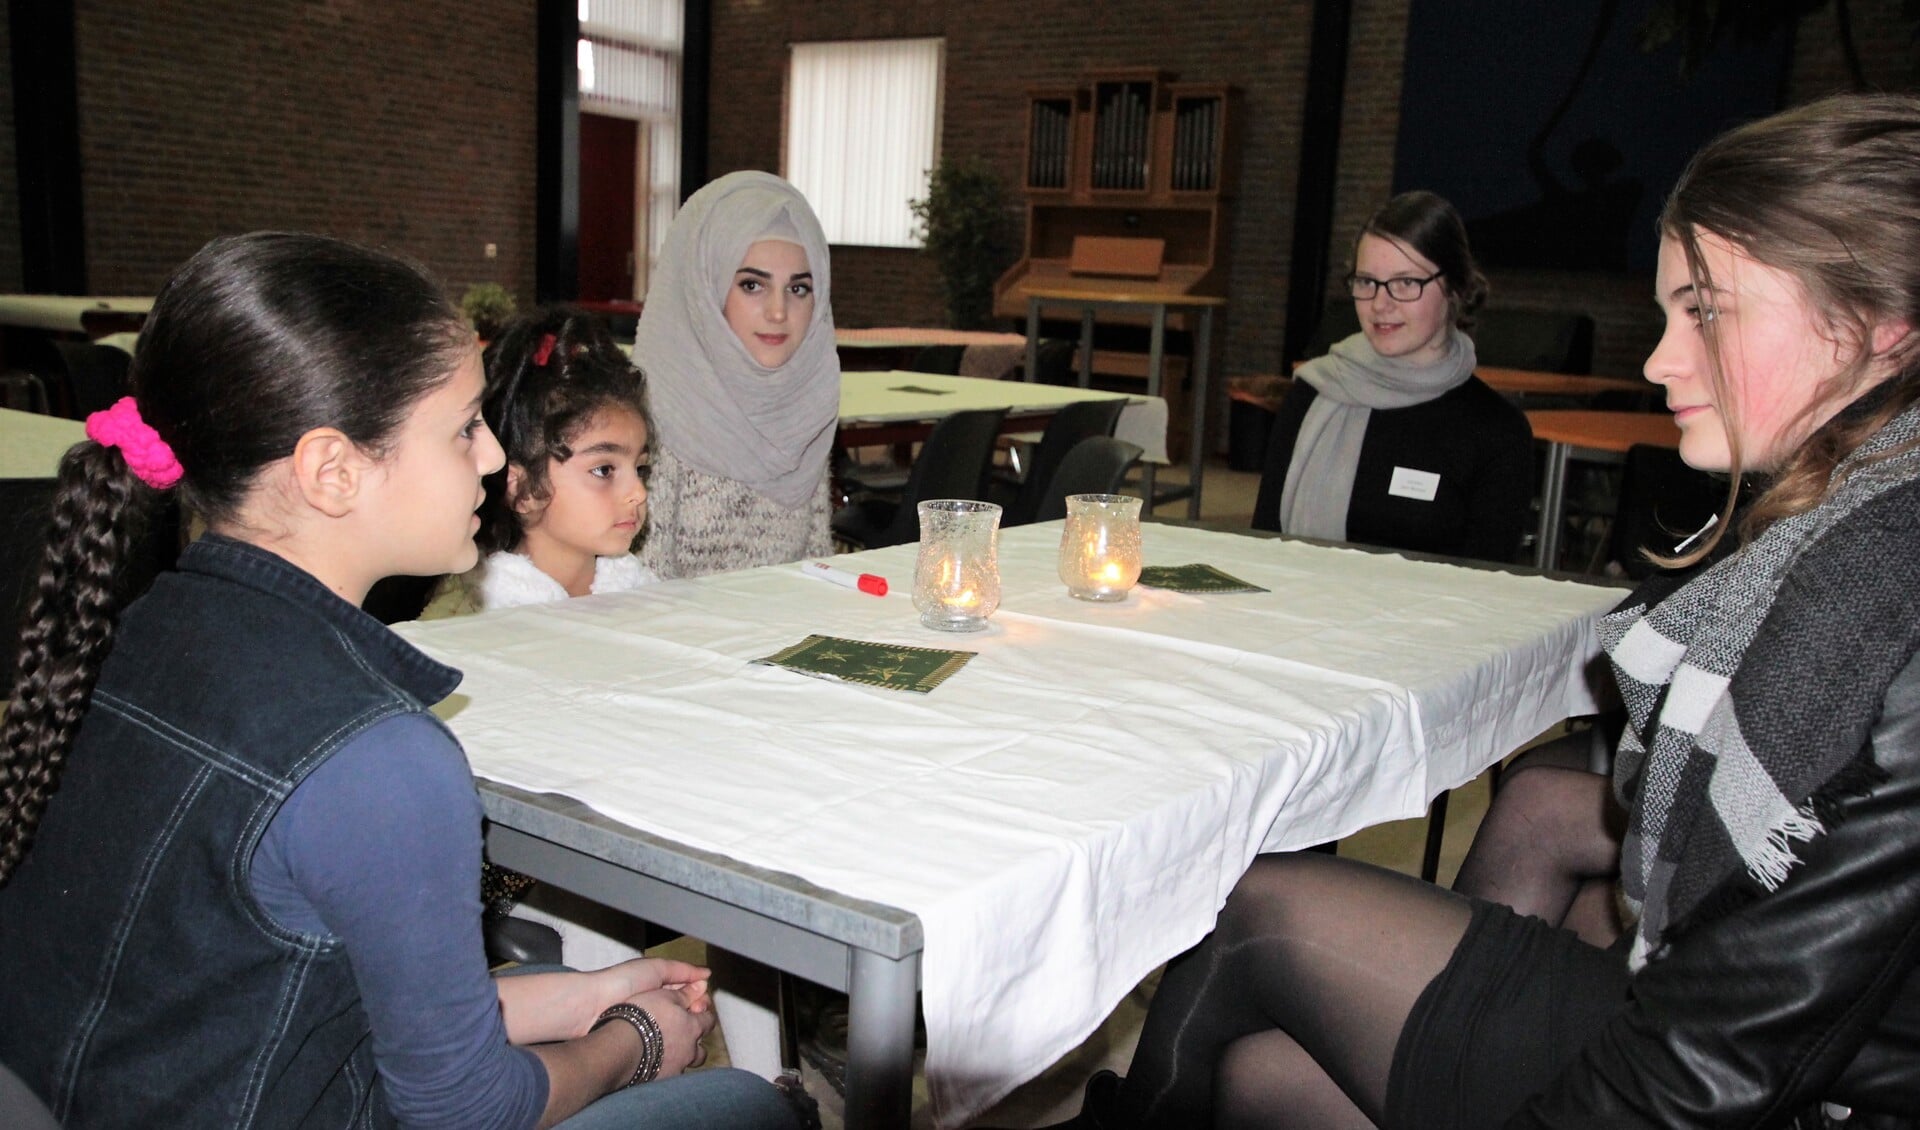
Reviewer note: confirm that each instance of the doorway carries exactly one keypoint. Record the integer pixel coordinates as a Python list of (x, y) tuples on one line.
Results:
[(612, 209)]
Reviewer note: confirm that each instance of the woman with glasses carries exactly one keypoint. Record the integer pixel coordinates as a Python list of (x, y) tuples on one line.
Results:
[(1390, 439)]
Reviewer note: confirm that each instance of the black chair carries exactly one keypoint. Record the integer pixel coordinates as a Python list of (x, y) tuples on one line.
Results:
[(1661, 501), (885, 478), (96, 375), (1096, 465), (1545, 341), (395, 600), (1053, 362), (1082, 419), (1337, 323), (944, 359), (953, 463)]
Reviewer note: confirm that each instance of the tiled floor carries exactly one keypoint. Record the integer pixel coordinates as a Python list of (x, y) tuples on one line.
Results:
[(1226, 496)]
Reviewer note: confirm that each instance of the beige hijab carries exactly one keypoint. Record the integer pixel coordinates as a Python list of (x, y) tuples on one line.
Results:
[(715, 407)]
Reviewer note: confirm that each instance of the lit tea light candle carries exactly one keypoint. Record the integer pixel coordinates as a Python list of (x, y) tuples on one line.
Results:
[(1100, 547), (957, 576)]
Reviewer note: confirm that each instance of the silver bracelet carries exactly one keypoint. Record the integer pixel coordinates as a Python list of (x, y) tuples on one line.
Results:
[(653, 1045)]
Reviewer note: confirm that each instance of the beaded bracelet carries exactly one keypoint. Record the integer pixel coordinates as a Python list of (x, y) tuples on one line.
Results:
[(653, 1044)]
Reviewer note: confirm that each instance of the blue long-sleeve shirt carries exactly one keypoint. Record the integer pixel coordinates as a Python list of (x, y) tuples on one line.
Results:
[(380, 847)]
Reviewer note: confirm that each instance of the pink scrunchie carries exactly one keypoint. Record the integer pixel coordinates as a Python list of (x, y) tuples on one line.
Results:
[(147, 455)]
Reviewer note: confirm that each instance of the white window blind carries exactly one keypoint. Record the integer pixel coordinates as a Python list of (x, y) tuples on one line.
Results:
[(863, 127)]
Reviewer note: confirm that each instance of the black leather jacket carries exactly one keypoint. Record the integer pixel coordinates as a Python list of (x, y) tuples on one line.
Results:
[(1803, 997)]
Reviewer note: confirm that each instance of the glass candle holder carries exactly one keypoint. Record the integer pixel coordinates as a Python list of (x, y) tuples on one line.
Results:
[(1100, 547), (956, 581)]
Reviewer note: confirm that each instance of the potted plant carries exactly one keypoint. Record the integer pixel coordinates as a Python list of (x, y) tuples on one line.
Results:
[(488, 306), (967, 227)]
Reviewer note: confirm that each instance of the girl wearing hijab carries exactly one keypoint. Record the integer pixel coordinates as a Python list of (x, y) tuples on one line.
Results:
[(1390, 439), (736, 340)]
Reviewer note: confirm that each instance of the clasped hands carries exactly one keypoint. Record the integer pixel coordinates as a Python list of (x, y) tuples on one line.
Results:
[(544, 1007), (674, 993)]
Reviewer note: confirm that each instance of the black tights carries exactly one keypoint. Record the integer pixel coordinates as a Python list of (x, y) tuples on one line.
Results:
[(1550, 843), (1292, 1007)]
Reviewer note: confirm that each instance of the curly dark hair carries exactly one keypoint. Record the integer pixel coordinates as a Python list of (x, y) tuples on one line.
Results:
[(255, 341), (548, 375)]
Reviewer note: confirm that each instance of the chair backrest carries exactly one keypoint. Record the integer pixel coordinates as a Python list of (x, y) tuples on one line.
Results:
[(1096, 465), (394, 600), (1337, 323), (1662, 500), (1079, 420), (1546, 341), (1053, 362), (20, 1108), (96, 375), (24, 392), (953, 463), (938, 359)]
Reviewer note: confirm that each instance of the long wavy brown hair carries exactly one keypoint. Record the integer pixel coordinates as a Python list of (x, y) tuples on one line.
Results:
[(1828, 193)]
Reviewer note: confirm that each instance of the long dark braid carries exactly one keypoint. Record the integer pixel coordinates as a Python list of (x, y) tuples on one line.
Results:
[(65, 635)]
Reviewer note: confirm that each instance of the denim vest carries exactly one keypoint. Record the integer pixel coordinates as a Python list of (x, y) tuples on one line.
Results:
[(140, 983)]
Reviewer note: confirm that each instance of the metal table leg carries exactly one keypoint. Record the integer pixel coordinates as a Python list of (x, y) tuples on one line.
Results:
[(1156, 360), (881, 1005), (1033, 339), (1086, 347), (1202, 408), (1553, 504)]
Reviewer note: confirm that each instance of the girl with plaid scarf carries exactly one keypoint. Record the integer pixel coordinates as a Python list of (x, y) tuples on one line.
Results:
[(1770, 765)]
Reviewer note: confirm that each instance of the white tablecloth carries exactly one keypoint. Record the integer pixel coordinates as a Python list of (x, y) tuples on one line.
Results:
[(1071, 808)]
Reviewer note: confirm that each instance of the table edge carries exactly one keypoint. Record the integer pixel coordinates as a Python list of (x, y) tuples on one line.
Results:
[(778, 895)]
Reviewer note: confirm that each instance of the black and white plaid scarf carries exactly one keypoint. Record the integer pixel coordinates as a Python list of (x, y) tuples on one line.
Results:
[(1751, 691)]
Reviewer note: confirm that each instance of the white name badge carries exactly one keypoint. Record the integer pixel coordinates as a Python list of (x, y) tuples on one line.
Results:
[(1421, 486)]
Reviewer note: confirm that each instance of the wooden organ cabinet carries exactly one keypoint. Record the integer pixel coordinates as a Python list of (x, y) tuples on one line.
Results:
[(1127, 183)]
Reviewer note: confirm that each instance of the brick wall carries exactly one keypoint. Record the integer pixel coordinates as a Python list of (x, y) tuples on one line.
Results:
[(998, 48), (412, 126), (409, 126)]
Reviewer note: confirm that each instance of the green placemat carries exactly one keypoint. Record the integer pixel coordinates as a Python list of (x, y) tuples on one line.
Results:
[(922, 389), (1193, 578), (897, 667)]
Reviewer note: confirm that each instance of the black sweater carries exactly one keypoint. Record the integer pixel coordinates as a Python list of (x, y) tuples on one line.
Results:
[(1478, 444)]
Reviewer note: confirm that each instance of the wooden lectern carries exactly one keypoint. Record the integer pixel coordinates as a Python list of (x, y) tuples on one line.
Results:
[(1128, 178)]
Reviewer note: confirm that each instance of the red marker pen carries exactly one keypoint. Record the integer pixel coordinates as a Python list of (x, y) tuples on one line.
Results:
[(865, 582)]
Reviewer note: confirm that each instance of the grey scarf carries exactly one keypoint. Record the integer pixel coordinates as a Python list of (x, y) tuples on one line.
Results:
[(717, 409), (1352, 380), (1752, 689)]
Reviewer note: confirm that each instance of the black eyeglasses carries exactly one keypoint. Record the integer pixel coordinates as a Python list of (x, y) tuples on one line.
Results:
[(1399, 289)]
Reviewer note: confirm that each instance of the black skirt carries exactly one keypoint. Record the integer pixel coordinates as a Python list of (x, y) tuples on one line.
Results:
[(1511, 1010)]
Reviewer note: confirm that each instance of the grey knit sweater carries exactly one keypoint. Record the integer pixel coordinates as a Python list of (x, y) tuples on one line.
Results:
[(699, 523)]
